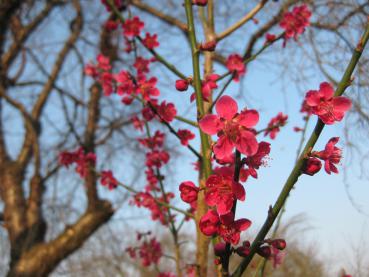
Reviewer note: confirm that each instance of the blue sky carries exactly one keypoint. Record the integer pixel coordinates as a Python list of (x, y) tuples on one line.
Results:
[(336, 224)]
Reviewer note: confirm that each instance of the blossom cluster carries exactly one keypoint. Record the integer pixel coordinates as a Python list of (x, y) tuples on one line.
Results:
[(79, 157), (149, 251)]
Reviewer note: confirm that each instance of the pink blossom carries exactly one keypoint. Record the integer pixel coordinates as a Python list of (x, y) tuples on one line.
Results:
[(182, 85), (236, 65), (230, 229), (132, 27), (222, 191), (255, 161), (147, 88), (157, 158), (207, 87), (209, 223), (188, 191), (331, 155), (325, 105), (294, 22), (151, 41), (200, 2), (142, 65), (185, 135), (208, 46), (312, 166), (167, 111), (274, 124), (150, 252), (108, 180), (233, 129)]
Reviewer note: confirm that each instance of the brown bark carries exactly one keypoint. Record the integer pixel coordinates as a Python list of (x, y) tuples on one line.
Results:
[(23, 218), (42, 259)]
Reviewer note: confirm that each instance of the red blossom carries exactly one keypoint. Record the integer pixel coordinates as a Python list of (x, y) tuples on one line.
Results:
[(152, 180), (222, 191), (185, 135), (269, 38), (142, 65), (182, 85), (312, 166), (188, 191), (200, 2), (277, 256), (158, 212), (331, 155), (157, 158), (156, 141), (147, 88), (132, 27), (106, 81), (207, 87), (208, 46), (255, 161), (151, 41), (225, 226), (274, 124), (294, 22), (167, 111), (324, 104), (150, 252), (233, 128), (230, 229), (108, 180), (111, 25), (103, 62), (124, 83), (137, 123), (82, 159), (243, 250), (236, 65)]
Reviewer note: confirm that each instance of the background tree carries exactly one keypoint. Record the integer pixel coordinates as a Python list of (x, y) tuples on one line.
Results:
[(47, 105)]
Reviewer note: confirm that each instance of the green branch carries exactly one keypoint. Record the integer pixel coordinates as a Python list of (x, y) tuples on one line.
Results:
[(296, 171)]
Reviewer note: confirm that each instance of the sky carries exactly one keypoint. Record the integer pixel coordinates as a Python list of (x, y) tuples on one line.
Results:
[(335, 226)]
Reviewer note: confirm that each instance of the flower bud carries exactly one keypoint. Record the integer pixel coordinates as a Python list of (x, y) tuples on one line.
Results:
[(181, 85), (220, 249), (243, 251), (200, 2), (312, 166), (280, 244), (208, 46), (264, 251)]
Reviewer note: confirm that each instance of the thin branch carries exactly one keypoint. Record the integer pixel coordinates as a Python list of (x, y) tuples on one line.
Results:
[(296, 172), (250, 15)]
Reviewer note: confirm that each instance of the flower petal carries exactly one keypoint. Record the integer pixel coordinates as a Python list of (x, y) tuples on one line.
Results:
[(242, 224), (312, 98), (223, 147), (246, 143), (210, 124), (326, 90), (248, 118), (226, 107), (341, 104), (239, 191)]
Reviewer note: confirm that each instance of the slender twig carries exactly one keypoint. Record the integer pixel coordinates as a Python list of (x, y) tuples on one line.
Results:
[(173, 131), (158, 57), (246, 61), (202, 241), (250, 15), (296, 171), (262, 264)]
